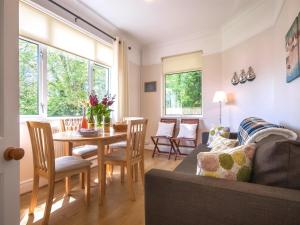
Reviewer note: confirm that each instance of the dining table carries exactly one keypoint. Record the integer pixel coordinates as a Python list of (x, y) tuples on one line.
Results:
[(102, 138)]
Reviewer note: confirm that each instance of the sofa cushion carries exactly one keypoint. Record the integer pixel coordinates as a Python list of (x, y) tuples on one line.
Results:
[(221, 143), (216, 132), (276, 163), (231, 164)]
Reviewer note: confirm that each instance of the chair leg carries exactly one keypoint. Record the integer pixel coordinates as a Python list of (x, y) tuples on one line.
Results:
[(34, 195), (49, 202), (136, 172), (87, 187), (122, 173), (130, 182), (142, 169), (68, 185), (82, 180)]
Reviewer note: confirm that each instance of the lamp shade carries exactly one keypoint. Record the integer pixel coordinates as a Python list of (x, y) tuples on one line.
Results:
[(220, 96)]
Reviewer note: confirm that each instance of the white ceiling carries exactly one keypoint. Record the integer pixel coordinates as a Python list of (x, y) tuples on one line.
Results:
[(157, 21)]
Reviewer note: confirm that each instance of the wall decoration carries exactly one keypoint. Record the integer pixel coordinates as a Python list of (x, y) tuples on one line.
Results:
[(150, 86), (235, 79), (250, 74), (243, 77), (292, 50)]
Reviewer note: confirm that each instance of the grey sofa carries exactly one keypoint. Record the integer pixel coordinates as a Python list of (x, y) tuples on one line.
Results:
[(180, 197)]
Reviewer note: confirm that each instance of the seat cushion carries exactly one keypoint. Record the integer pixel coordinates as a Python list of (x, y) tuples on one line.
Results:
[(121, 144), (116, 156), (68, 163), (84, 149)]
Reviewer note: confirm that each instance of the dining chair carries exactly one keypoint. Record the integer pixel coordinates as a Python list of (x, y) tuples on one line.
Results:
[(188, 144), (130, 156), (84, 151), (161, 141), (46, 165)]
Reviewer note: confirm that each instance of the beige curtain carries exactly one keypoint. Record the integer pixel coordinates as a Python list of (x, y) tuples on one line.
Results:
[(121, 76)]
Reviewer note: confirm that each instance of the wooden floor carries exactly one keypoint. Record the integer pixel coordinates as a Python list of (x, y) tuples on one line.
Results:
[(117, 208)]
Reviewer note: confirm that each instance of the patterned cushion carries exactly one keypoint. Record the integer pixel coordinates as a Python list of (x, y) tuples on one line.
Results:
[(230, 164), (221, 143), (218, 131)]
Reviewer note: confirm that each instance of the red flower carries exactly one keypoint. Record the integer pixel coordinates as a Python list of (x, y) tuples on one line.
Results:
[(93, 99)]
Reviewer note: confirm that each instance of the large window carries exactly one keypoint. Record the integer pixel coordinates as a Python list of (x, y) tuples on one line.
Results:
[(67, 83), (29, 78), (56, 83), (183, 93)]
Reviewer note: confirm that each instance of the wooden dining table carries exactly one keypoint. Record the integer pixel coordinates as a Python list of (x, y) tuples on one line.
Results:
[(103, 139)]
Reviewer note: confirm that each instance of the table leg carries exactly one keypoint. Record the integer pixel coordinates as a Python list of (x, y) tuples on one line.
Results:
[(101, 172), (68, 151)]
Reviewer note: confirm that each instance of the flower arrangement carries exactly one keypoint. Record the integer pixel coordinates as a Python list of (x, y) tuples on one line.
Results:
[(100, 109)]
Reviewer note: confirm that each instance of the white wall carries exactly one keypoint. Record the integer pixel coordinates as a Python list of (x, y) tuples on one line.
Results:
[(269, 96)]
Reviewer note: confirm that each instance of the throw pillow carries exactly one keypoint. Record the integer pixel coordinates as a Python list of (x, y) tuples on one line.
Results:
[(187, 130), (231, 164), (221, 143), (218, 131), (165, 129)]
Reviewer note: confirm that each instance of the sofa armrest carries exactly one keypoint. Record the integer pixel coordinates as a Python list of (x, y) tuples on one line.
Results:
[(205, 136), (173, 198)]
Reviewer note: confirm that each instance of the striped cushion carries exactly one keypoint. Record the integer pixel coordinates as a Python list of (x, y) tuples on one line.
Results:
[(251, 126)]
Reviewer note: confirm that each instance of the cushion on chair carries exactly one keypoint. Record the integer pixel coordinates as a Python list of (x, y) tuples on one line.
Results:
[(67, 163), (165, 129), (116, 156), (84, 149), (187, 131), (121, 144)]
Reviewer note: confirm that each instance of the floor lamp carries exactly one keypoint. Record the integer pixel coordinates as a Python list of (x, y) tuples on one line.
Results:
[(220, 97)]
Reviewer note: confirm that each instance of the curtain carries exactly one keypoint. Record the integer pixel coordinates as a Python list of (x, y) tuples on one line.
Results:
[(120, 74)]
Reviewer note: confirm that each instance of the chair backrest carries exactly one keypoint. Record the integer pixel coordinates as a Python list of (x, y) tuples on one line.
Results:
[(136, 132), (42, 146), (192, 121), (70, 124), (170, 120)]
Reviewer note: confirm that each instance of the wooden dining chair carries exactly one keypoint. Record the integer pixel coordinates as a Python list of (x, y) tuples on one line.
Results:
[(46, 165), (162, 141), (132, 155), (186, 143), (84, 151)]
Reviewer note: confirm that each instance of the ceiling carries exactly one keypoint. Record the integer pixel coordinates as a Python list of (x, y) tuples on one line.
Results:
[(157, 21)]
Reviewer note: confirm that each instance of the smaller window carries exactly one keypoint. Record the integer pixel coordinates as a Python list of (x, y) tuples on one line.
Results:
[(100, 80), (183, 93), (28, 77)]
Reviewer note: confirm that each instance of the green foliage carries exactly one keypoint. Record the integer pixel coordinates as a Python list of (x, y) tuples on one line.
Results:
[(67, 83), (28, 81), (184, 90), (100, 80)]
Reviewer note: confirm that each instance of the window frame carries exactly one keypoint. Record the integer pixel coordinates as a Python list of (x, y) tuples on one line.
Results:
[(164, 108), (43, 80)]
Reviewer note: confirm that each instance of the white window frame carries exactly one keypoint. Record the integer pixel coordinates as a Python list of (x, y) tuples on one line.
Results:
[(43, 81), (163, 114)]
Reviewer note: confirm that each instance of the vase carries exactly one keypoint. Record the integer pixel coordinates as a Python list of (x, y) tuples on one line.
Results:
[(107, 124), (99, 120)]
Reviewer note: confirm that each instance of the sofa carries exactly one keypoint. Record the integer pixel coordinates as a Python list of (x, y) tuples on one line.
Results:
[(272, 197)]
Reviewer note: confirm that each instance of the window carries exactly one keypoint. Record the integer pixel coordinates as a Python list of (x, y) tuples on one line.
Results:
[(183, 93), (29, 77), (100, 80), (67, 83), (59, 86)]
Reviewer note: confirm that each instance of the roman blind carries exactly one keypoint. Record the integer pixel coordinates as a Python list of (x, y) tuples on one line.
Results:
[(182, 63), (41, 27)]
